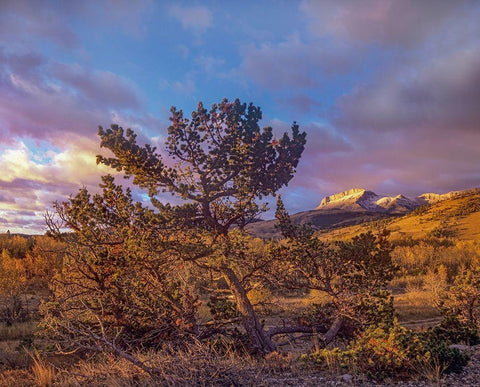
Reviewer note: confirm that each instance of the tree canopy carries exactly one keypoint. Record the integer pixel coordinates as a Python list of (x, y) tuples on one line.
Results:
[(221, 160)]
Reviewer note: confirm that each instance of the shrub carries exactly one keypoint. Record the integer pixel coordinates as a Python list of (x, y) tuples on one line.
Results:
[(122, 282), (422, 209), (353, 274), (442, 232), (462, 299), (467, 208), (13, 311), (395, 352), (453, 331), (321, 316)]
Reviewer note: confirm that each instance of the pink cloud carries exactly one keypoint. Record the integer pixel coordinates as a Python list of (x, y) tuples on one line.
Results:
[(24, 21), (39, 98), (390, 163)]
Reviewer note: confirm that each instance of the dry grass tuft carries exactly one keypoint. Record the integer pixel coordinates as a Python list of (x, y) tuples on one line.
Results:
[(43, 372), (196, 365)]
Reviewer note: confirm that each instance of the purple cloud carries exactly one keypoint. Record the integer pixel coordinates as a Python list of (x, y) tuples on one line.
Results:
[(391, 162), (296, 63), (443, 93), (22, 21), (25, 22), (97, 87), (388, 22), (39, 98)]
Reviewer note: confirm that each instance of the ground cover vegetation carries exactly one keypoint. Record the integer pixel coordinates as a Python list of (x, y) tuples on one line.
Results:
[(123, 293)]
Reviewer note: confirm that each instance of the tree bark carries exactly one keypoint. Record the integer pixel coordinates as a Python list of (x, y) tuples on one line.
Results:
[(327, 337), (260, 340), (332, 332)]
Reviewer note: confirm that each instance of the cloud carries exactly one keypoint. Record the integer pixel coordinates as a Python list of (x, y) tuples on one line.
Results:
[(300, 103), (40, 97), (294, 63), (24, 23), (442, 93), (387, 162), (412, 125), (128, 15), (346, 40), (184, 86), (22, 223), (15, 163), (22, 62), (30, 186), (74, 165), (40, 110), (387, 22), (196, 18), (187, 86), (209, 64), (97, 87)]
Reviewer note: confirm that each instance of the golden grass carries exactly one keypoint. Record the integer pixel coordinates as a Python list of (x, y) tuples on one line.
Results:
[(406, 283), (420, 225), (415, 306), (196, 365), (43, 372)]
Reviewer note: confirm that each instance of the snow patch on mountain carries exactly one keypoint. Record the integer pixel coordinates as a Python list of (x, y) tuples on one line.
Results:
[(358, 199)]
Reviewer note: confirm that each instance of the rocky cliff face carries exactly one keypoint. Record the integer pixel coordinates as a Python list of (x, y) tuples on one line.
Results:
[(433, 197), (359, 199), (351, 194)]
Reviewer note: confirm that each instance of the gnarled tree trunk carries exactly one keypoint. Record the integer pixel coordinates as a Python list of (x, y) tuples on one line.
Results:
[(259, 339)]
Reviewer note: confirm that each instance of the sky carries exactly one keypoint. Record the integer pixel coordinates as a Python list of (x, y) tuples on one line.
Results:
[(387, 91)]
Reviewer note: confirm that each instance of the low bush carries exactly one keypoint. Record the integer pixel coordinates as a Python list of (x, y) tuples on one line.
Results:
[(396, 353), (453, 331), (443, 232), (421, 210)]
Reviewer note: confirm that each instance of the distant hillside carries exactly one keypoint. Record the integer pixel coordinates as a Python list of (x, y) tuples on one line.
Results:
[(355, 210), (455, 216), (319, 220)]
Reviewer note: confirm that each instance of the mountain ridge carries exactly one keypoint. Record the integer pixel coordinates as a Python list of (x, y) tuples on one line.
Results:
[(358, 199), (354, 207)]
